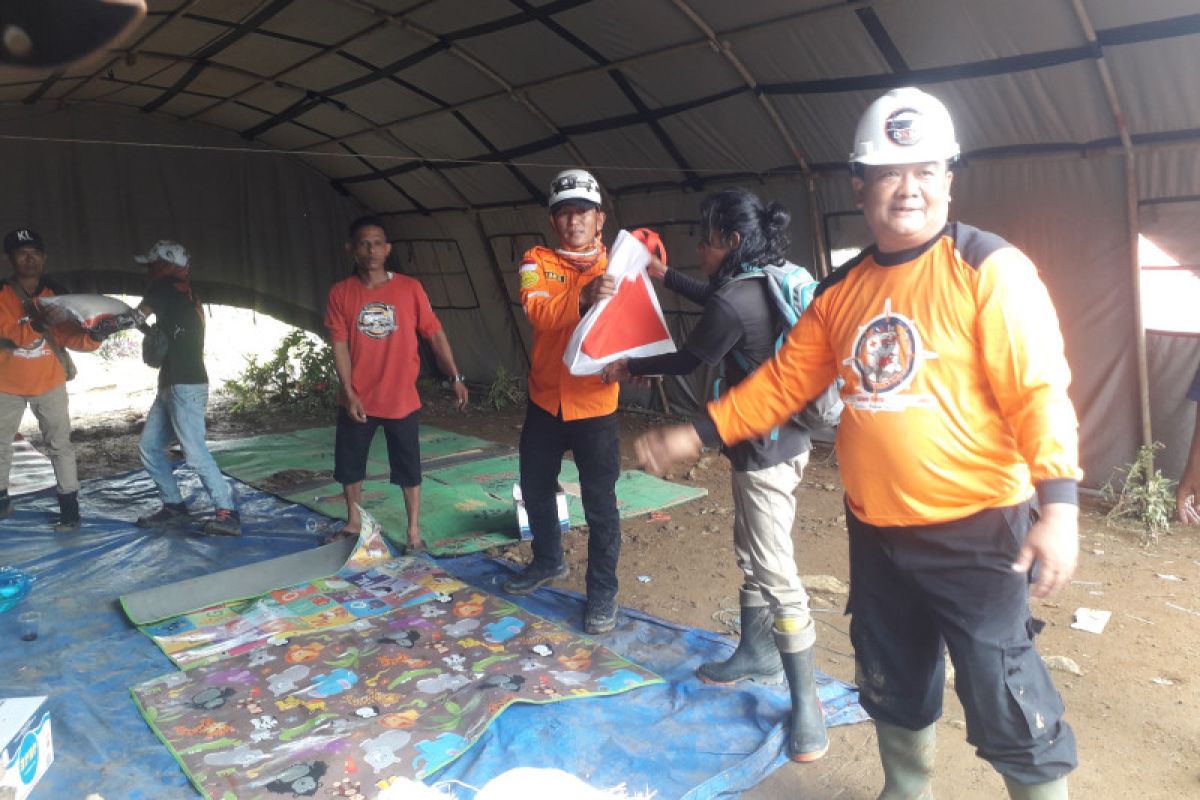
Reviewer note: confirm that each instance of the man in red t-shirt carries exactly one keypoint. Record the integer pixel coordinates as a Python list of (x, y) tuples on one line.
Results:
[(374, 317)]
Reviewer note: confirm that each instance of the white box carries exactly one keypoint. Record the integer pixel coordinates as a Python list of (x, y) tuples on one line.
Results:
[(564, 516), (28, 745)]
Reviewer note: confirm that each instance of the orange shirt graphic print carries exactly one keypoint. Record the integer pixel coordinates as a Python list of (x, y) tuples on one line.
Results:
[(887, 356)]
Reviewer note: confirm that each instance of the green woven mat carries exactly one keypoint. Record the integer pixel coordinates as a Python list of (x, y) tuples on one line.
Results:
[(466, 496)]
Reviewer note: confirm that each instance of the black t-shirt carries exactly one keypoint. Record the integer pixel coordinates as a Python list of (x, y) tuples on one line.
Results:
[(180, 314), (740, 316)]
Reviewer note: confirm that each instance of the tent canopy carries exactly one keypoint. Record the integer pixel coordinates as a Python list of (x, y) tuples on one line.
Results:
[(254, 131)]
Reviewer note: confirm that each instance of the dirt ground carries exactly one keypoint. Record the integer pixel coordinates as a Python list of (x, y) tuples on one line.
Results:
[(1134, 704)]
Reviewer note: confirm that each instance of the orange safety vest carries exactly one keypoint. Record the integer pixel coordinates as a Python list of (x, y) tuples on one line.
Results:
[(550, 288)]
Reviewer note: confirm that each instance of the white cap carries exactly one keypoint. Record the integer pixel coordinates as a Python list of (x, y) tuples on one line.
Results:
[(165, 250), (574, 184), (905, 126)]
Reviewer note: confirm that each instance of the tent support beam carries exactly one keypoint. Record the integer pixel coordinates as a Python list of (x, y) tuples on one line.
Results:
[(1131, 214), (498, 274), (726, 50)]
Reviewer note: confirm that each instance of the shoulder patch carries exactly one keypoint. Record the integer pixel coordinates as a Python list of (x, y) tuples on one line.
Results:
[(529, 276), (975, 245)]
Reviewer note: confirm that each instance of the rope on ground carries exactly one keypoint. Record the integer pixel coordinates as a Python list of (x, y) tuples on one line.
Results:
[(729, 615)]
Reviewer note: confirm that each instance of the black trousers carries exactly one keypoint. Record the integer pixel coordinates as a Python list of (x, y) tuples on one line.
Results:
[(595, 444), (914, 590)]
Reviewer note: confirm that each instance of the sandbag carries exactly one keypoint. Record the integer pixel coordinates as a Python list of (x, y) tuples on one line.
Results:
[(91, 313)]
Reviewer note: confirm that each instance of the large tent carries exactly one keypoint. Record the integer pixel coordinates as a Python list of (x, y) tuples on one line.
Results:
[(254, 131)]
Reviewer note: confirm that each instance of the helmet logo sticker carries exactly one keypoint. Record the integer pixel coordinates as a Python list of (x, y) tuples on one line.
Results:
[(904, 127)]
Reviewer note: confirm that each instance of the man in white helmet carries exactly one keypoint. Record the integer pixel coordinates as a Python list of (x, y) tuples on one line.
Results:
[(569, 412), (958, 451)]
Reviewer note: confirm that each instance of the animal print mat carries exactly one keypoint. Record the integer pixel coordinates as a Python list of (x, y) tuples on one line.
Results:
[(335, 687)]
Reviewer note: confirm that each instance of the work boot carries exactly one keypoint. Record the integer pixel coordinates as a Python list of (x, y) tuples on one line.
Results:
[(169, 514), (6, 507), (225, 522), (68, 513), (807, 738), (534, 577), (907, 758), (756, 658), (599, 616), (1052, 790)]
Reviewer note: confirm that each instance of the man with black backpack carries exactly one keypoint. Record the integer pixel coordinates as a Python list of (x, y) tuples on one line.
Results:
[(959, 454), (34, 370), (178, 409), (745, 315)]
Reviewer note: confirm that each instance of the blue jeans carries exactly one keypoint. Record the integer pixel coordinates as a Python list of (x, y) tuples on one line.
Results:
[(178, 413)]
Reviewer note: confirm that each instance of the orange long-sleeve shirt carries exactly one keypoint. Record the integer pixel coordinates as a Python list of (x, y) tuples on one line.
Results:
[(32, 368), (550, 288), (955, 381)]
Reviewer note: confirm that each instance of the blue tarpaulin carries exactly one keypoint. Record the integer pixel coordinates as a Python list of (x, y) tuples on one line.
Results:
[(680, 739)]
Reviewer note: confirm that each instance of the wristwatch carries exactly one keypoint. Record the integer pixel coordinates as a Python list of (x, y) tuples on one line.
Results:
[(459, 378)]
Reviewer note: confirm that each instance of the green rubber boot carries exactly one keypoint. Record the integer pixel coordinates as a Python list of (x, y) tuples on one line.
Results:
[(907, 758), (1051, 790)]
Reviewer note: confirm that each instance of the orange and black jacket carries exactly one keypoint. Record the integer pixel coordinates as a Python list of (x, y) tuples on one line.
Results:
[(954, 378), (28, 366), (550, 288)]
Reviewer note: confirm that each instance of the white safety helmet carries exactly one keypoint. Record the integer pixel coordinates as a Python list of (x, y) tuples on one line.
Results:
[(905, 126), (574, 184)]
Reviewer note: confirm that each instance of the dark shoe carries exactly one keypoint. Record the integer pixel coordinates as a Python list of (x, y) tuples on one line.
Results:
[(756, 658), (5, 505), (807, 738), (68, 518), (226, 522), (599, 616), (534, 577), (169, 514)]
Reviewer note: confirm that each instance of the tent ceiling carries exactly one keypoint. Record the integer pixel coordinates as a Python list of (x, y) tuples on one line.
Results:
[(420, 105)]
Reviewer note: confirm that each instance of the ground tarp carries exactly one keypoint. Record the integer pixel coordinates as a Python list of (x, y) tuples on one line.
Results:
[(718, 741)]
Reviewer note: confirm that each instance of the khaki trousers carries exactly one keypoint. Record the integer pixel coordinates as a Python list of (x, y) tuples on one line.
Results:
[(764, 510), (54, 419)]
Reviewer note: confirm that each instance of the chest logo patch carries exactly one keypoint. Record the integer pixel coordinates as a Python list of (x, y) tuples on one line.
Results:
[(887, 356), (377, 320)]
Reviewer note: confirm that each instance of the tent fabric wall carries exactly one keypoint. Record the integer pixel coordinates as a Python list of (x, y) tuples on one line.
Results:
[(450, 117), (263, 230), (1172, 360)]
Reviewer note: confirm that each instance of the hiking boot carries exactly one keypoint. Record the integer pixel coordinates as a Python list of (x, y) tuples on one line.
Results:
[(599, 616), (169, 514), (226, 522), (534, 577), (6, 507), (68, 517)]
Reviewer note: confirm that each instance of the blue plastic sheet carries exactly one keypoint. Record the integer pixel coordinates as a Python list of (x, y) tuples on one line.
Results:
[(681, 739)]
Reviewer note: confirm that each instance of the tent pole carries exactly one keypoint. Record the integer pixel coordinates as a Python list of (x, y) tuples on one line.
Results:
[(1131, 213), (498, 274)]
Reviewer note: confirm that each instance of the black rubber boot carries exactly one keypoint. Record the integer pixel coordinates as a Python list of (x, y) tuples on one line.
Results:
[(756, 657), (807, 738), (68, 507), (907, 758)]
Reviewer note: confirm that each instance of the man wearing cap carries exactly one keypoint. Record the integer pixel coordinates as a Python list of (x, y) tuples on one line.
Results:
[(569, 412), (34, 372), (178, 408), (374, 318), (958, 450)]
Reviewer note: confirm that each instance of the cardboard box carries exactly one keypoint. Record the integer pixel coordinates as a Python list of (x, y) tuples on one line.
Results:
[(28, 746), (564, 516)]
